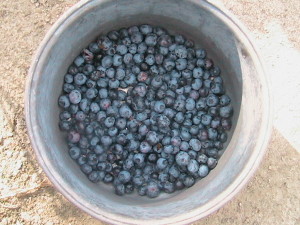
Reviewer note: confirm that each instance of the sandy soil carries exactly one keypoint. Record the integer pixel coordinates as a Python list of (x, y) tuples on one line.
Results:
[(26, 196)]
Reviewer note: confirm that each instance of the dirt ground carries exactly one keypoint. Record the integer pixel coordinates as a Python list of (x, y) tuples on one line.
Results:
[(26, 197)]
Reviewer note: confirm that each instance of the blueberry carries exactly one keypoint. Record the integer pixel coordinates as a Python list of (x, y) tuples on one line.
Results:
[(73, 109), (91, 93), (176, 141), (138, 58), (197, 72), (103, 93), (151, 39), (79, 61), (168, 149), (182, 158), (195, 144), (208, 64), (169, 187), (189, 43), (65, 115), (139, 158), (68, 78), (193, 166), (203, 170), (150, 60), (126, 41), (201, 63), (211, 162), (190, 104), (206, 119), (92, 159), (102, 82), (104, 43), (132, 48), (94, 48), (125, 111), (74, 152), (121, 123), (174, 171), (215, 123), (73, 137), (85, 168), (136, 37), (146, 29), (138, 180), (109, 122), (203, 92), (164, 40), (181, 51), (98, 149), (117, 60), (112, 131), (217, 88), (108, 178), (226, 124), (194, 130), (159, 106), (226, 111), (88, 69), (223, 137), (161, 163), (179, 185), (207, 83), (152, 138), (157, 82), (121, 49), (185, 134), (212, 100), (120, 189), (123, 33), (68, 88), (163, 121), (184, 146), (133, 145), (81, 160), (170, 113), (191, 64), (152, 190), (166, 140), (168, 64), (63, 101), (110, 73), (124, 177), (179, 105), (143, 130), (212, 152), (107, 61), (84, 105), (224, 100), (106, 140), (202, 158), (94, 176), (142, 190), (189, 181), (94, 141), (197, 84), (181, 64), (200, 53)]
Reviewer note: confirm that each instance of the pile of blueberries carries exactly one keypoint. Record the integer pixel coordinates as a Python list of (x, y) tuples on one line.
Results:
[(145, 111)]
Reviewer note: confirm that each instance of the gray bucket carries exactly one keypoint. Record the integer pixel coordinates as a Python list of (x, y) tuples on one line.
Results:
[(226, 42)]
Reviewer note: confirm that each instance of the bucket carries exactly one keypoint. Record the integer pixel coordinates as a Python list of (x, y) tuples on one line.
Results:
[(226, 42)]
